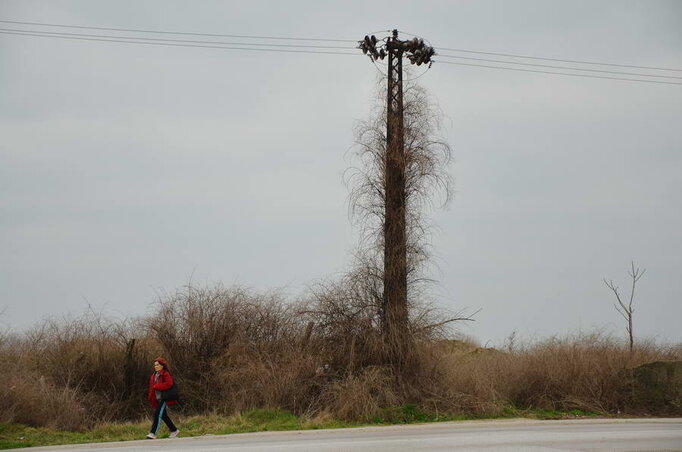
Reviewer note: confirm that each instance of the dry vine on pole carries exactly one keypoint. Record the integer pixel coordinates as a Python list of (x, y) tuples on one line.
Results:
[(427, 183)]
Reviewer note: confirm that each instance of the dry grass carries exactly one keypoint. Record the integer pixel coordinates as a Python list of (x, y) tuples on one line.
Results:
[(234, 350), (28, 398), (587, 372), (76, 371), (362, 396)]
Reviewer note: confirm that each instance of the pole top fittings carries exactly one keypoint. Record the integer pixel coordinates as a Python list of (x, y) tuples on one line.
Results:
[(414, 49)]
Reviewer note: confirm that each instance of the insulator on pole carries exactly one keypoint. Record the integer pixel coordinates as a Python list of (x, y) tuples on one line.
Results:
[(414, 43), (415, 50)]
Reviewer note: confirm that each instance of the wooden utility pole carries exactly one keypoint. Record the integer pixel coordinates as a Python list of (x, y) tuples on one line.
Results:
[(394, 309)]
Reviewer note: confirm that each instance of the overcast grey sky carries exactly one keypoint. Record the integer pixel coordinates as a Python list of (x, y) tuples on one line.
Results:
[(125, 168)]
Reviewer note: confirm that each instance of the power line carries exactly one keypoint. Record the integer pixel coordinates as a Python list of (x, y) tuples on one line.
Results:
[(44, 24), (560, 60), (560, 67), (289, 48), (215, 35), (58, 34), (560, 73), (169, 44)]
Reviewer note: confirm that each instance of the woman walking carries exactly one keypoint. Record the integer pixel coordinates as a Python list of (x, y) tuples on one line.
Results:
[(159, 383)]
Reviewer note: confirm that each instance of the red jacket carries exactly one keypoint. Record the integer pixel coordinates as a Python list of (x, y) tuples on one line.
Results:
[(164, 384)]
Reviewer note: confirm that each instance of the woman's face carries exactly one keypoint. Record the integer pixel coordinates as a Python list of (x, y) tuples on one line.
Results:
[(157, 366)]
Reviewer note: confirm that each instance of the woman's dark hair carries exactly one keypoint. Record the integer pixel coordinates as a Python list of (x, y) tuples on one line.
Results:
[(161, 360)]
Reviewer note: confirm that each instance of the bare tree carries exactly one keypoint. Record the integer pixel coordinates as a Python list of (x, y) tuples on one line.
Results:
[(626, 310), (427, 183)]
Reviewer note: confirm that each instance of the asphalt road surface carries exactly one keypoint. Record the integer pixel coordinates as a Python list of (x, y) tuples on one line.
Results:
[(479, 436)]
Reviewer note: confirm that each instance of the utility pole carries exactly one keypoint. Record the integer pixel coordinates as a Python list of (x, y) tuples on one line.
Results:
[(394, 315)]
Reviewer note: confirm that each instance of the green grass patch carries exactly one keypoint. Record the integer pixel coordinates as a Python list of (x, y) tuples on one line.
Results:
[(18, 436), (410, 414), (554, 414)]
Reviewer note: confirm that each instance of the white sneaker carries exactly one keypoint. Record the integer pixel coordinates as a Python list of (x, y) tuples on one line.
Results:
[(174, 434), (151, 436)]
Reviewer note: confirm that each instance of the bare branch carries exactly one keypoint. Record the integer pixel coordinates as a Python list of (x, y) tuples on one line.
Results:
[(627, 311)]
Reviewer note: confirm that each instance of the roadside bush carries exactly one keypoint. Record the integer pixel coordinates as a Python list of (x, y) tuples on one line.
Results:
[(98, 358), (587, 372), (29, 398), (361, 396), (234, 349), (345, 316)]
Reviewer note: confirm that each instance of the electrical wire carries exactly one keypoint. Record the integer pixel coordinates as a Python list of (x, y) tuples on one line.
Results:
[(572, 68), (169, 44), (560, 60), (291, 48), (559, 73), (561, 67), (57, 34), (44, 24), (215, 35)]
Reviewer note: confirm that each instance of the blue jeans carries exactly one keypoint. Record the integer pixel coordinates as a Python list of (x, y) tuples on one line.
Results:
[(161, 413)]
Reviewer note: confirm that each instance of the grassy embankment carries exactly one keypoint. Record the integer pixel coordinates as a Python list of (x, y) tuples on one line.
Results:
[(20, 436)]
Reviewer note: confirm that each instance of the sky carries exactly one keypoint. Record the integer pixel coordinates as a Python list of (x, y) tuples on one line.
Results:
[(128, 170)]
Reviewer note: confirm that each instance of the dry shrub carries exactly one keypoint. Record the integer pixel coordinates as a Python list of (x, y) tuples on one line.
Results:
[(256, 381), (458, 377), (586, 372), (27, 397), (234, 348), (346, 315), (361, 396), (96, 357)]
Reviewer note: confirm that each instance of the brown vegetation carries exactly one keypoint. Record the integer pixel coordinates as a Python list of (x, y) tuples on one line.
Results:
[(400, 168), (233, 349)]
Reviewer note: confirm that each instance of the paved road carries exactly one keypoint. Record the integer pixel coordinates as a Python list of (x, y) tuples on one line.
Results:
[(479, 436)]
